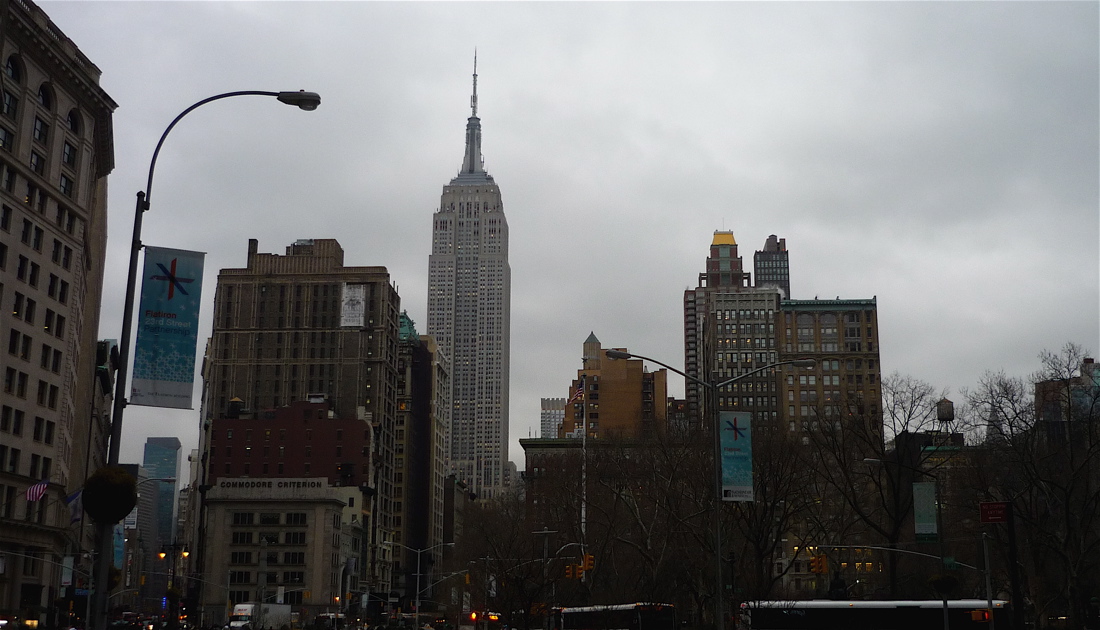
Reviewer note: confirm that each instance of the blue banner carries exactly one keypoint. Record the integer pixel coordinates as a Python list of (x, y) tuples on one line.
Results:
[(924, 511), (736, 441), (118, 541), (168, 328)]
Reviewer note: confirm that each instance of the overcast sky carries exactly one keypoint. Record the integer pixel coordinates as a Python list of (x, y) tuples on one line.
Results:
[(941, 156)]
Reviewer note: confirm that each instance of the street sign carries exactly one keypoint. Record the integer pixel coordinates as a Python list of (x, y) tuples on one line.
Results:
[(993, 511)]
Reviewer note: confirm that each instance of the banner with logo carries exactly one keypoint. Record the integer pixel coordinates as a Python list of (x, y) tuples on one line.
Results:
[(168, 328), (735, 433), (924, 511)]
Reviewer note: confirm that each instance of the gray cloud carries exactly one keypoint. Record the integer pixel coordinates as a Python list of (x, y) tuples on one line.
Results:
[(939, 156)]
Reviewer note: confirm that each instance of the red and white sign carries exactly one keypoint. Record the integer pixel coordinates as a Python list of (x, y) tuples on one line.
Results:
[(993, 511)]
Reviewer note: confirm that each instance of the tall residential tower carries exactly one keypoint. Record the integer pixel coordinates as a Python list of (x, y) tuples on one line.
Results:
[(468, 313)]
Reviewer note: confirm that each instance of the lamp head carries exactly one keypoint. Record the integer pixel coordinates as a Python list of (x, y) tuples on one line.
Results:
[(804, 363), (618, 354), (308, 101)]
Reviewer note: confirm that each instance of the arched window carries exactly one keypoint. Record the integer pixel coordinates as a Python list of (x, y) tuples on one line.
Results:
[(14, 69), (74, 121), (45, 96)]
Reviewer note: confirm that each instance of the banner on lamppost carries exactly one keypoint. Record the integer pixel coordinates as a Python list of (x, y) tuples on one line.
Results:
[(736, 441), (168, 328), (924, 511)]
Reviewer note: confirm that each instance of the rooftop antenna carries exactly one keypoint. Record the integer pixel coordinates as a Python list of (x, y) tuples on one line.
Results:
[(473, 98)]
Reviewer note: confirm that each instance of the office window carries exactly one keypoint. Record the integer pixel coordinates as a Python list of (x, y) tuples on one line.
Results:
[(68, 155), (242, 538), (45, 96), (41, 131), (10, 105), (74, 121)]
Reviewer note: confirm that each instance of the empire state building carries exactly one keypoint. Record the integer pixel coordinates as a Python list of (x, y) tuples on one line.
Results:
[(469, 295)]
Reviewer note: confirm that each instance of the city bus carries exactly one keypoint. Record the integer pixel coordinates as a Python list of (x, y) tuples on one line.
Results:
[(962, 614), (638, 616)]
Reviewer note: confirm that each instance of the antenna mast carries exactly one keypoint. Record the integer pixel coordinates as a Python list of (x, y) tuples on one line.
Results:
[(473, 98)]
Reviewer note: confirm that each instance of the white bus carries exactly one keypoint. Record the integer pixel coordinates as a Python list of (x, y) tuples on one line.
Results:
[(962, 614), (637, 616)]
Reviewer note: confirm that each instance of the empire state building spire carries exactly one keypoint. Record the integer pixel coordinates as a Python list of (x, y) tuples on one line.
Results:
[(472, 161)]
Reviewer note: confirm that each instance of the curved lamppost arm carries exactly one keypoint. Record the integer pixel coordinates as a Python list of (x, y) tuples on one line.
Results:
[(307, 101), (619, 354)]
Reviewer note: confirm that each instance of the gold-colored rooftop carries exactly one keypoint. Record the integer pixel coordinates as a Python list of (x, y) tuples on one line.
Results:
[(723, 238)]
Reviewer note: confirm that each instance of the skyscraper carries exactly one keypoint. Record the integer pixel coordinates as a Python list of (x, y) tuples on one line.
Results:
[(770, 265), (553, 412), (469, 289), (162, 461), (726, 323), (733, 326)]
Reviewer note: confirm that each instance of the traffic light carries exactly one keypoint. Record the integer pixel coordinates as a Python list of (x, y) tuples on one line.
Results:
[(981, 615), (569, 571), (589, 562), (819, 564), (106, 363)]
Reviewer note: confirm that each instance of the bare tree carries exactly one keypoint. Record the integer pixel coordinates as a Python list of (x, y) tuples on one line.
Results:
[(1043, 446), (868, 460)]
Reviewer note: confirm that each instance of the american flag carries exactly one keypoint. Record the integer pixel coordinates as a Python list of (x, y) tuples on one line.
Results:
[(580, 391), (38, 490)]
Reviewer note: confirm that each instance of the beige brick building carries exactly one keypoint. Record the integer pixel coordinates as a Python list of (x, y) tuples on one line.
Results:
[(56, 150)]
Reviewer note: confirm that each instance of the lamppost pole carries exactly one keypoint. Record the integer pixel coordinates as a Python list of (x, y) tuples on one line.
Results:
[(307, 101), (712, 388), (418, 553)]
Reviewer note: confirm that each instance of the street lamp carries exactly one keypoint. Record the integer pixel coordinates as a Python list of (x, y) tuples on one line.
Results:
[(418, 554), (712, 388), (307, 101)]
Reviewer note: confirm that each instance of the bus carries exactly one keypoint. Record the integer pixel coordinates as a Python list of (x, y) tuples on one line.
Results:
[(962, 614), (638, 616)]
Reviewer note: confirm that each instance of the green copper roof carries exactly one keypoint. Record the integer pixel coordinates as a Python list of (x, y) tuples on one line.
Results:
[(408, 327)]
